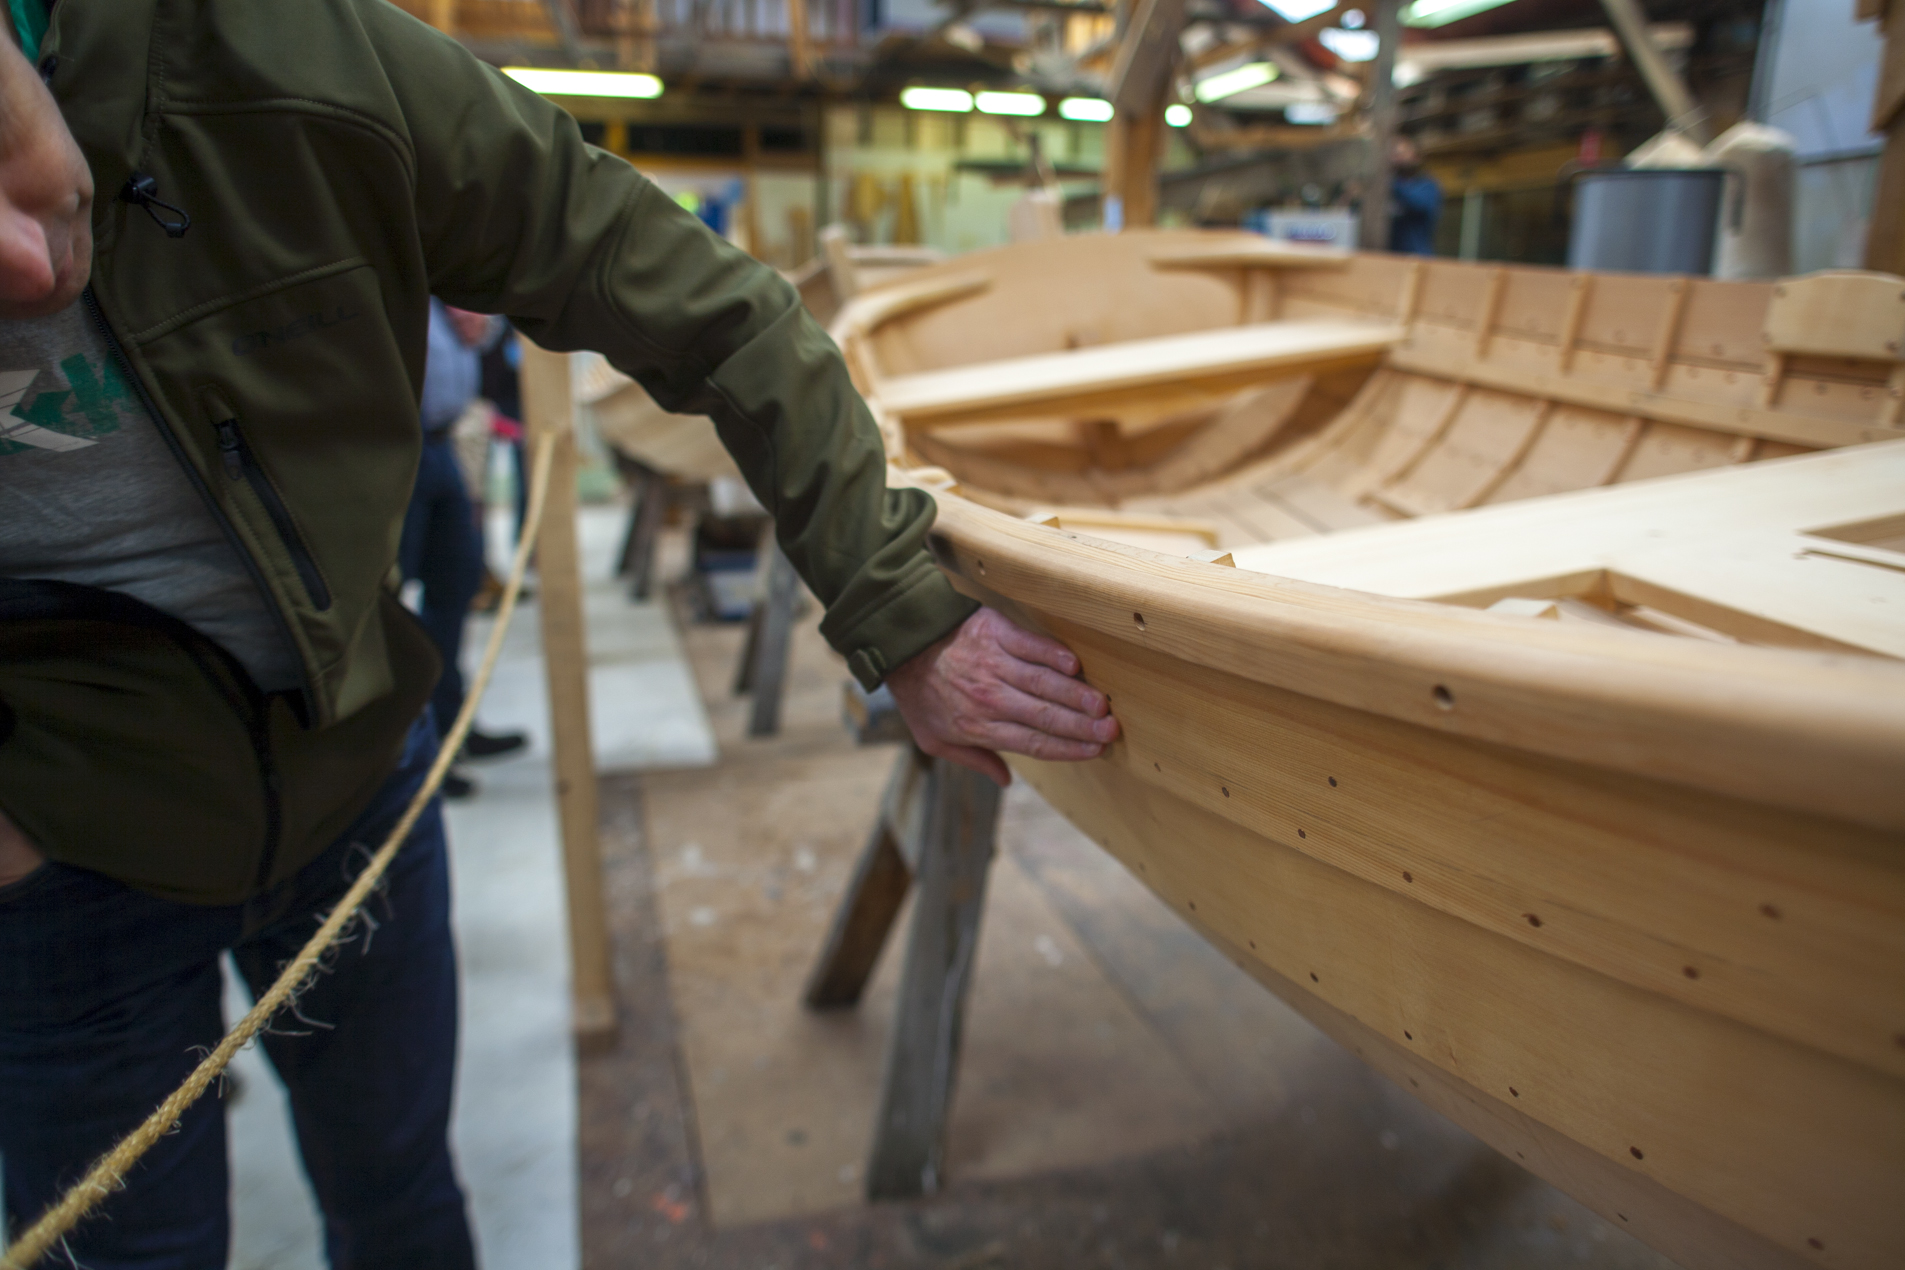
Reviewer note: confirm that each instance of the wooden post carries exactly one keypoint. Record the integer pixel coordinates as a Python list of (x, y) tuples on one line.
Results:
[(922, 1058), (1373, 230), (935, 828), (1885, 237), (548, 408), (877, 890), (764, 665), (1137, 87), (799, 53)]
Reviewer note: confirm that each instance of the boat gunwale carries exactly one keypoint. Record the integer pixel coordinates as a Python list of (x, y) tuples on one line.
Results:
[(1818, 732)]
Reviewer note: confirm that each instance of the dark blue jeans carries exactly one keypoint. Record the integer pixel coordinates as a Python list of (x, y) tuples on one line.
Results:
[(108, 997), (443, 548)]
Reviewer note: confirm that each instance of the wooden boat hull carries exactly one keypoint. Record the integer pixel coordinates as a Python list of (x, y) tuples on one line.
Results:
[(1673, 987), (1630, 908)]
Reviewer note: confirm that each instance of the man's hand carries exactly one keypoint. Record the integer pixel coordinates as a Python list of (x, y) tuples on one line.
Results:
[(17, 856), (991, 686), (471, 329)]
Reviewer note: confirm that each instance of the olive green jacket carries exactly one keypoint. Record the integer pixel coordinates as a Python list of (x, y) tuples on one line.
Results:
[(341, 162)]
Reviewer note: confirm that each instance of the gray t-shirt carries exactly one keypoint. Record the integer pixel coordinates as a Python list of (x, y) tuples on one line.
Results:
[(91, 493)]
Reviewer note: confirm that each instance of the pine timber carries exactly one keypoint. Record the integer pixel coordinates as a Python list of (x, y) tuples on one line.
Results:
[(548, 407), (1535, 722)]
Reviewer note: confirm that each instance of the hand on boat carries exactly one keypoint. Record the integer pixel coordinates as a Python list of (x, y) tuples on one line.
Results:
[(992, 685)]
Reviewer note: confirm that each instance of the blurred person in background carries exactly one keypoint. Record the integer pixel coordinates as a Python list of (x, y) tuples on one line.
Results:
[(442, 545), (1416, 202)]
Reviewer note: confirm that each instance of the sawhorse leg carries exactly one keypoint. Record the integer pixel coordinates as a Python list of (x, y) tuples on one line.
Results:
[(937, 826), (653, 492), (763, 668)]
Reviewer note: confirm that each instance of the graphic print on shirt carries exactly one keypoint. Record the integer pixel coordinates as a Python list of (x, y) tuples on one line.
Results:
[(71, 417)]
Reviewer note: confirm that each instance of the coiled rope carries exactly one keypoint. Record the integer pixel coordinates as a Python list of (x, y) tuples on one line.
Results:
[(108, 1175)]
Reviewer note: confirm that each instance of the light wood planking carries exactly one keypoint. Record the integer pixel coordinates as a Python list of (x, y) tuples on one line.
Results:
[(548, 407), (1169, 368)]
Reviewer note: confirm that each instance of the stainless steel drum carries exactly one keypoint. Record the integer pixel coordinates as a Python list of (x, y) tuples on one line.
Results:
[(1646, 220)]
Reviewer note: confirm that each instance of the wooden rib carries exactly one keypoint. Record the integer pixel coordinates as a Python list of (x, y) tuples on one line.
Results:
[(1491, 310), (1630, 441), (1677, 291), (1773, 380), (1890, 413), (1579, 290), (1744, 448), (1514, 461), (1411, 293), (1457, 400)]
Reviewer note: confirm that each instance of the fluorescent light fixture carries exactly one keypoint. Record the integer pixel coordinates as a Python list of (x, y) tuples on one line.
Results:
[(1178, 115), (1025, 105), (1230, 83), (955, 100), (1298, 10), (1086, 110), (557, 83), (1351, 46), (1309, 112), (1433, 13)]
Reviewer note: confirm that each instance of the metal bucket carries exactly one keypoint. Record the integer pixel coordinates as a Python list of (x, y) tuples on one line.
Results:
[(1646, 220)]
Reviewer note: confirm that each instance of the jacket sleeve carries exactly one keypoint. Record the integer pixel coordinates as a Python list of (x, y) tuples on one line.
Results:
[(518, 215)]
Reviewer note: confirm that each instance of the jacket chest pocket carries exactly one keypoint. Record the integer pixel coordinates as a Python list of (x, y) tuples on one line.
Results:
[(298, 407)]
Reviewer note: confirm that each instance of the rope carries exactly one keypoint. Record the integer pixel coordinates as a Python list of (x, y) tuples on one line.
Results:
[(109, 1173)]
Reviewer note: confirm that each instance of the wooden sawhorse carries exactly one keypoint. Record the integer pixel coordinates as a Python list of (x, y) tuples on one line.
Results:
[(936, 828), (763, 666)]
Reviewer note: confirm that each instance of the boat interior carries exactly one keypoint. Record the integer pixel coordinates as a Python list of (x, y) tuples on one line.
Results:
[(1266, 393)]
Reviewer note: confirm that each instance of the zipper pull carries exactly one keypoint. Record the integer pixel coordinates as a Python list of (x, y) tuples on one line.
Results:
[(141, 190), (228, 448)]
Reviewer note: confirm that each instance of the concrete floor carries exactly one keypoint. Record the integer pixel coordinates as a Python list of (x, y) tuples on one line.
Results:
[(1127, 1097)]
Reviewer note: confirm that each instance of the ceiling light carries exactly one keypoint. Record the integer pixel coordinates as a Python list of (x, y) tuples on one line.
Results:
[(1086, 109), (1178, 115), (1432, 13), (1351, 46), (1230, 83), (1309, 112), (1026, 105), (1298, 10), (584, 83), (956, 100)]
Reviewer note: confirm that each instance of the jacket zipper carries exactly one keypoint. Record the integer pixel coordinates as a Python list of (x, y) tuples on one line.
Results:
[(198, 483), (240, 463), (260, 722)]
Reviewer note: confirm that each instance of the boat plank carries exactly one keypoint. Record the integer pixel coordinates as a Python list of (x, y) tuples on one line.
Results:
[(1171, 366), (1642, 1082)]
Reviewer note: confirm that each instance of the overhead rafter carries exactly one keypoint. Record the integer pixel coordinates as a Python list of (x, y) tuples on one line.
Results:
[(1670, 91)]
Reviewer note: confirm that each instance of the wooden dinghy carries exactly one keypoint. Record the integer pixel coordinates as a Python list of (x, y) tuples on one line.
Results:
[(1578, 811)]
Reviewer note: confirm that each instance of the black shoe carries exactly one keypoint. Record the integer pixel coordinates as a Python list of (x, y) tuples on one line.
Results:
[(456, 787), (492, 745)]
